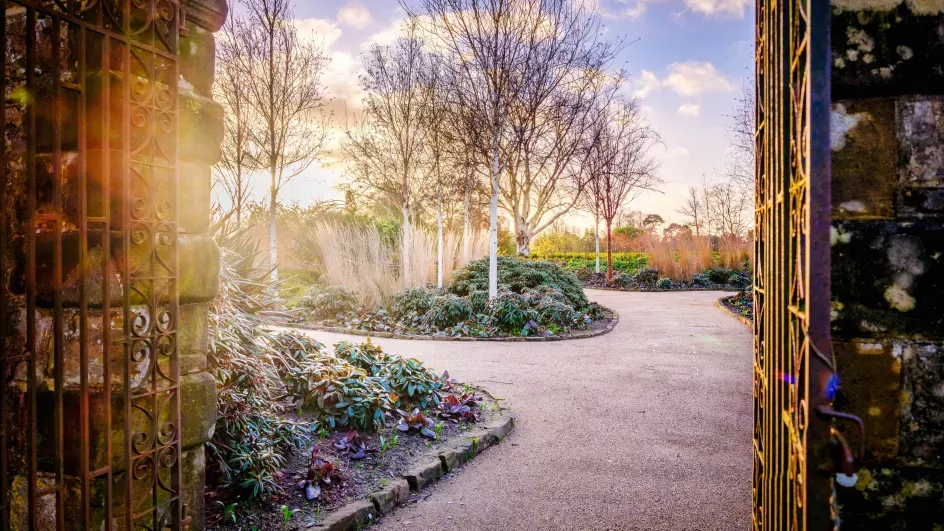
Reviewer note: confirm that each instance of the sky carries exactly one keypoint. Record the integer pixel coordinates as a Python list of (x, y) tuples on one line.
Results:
[(687, 61)]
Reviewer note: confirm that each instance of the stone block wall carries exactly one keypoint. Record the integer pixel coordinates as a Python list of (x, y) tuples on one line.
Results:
[(200, 136), (888, 255)]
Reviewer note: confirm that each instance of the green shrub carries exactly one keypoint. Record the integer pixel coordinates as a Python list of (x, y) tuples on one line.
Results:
[(251, 436), (515, 275), (448, 310), (328, 302), (411, 300), (647, 277), (552, 311), (413, 384), (701, 280), (664, 283), (739, 281), (511, 311), (623, 282), (719, 275), (478, 302)]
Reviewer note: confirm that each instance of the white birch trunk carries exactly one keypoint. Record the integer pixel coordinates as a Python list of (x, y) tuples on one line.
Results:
[(439, 240), (466, 226), (493, 216), (405, 258), (273, 236)]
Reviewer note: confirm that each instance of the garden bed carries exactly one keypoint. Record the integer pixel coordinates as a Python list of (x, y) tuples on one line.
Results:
[(536, 300), (604, 324), (360, 477), (740, 306), (648, 279)]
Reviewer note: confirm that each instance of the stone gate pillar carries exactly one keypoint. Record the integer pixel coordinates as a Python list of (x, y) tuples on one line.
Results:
[(201, 135), (888, 255), (106, 267)]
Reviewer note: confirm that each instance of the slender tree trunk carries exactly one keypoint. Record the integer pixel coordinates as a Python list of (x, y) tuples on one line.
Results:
[(273, 236), (609, 252), (273, 159), (466, 226), (439, 239), (596, 240), (493, 217), (405, 259)]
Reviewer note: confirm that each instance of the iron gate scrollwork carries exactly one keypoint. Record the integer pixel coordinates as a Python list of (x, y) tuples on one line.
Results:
[(88, 253), (792, 377)]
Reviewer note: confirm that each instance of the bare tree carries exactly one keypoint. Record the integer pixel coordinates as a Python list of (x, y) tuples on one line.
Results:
[(729, 204), (547, 121), (281, 74), (621, 166), (490, 43), (741, 137), (386, 150), (234, 171), (694, 210)]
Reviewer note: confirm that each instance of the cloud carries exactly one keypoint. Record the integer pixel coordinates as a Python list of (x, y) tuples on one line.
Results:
[(693, 78), (355, 15), (647, 83), (323, 32), (689, 109), (675, 153), (688, 79), (734, 8)]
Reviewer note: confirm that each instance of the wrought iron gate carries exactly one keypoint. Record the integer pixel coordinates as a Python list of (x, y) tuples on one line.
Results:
[(88, 254), (793, 378)]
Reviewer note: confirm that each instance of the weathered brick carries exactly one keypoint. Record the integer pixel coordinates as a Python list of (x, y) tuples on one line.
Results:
[(865, 156), (887, 279), (396, 493), (921, 136), (922, 429), (424, 474), (450, 460), (870, 387), (350, 517), (882, 49)]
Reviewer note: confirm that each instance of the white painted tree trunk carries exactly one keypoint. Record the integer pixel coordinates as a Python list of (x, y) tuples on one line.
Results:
[(466, 226), (273, 236), (405, 258), (493, 216), (596, 239), (439, 240)]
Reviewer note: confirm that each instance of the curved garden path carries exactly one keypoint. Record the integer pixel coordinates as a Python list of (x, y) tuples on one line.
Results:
[(647, 427)]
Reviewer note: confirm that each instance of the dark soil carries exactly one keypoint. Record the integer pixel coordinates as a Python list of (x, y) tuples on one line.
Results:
[(358, 478)]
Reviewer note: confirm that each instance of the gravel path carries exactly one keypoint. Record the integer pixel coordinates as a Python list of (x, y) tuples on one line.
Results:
[(647, 427)]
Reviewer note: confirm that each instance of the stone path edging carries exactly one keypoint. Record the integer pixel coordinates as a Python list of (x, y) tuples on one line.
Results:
[(580, 334), (657, 290), (357, 514), (726, 309)]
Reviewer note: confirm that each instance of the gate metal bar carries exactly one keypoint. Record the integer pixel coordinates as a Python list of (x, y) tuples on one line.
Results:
[(792, 378), (80, 39)]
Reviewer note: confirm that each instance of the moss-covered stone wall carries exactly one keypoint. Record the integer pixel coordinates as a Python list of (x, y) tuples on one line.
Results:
[(888, 255)]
